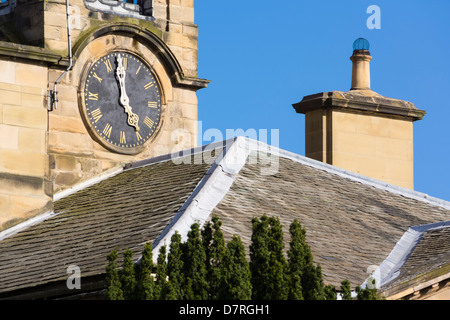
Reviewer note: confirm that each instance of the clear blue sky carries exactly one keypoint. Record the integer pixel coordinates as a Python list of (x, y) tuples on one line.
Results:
[(263, 56)]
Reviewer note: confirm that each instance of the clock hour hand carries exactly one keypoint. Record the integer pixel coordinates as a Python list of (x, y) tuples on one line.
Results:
[(133, 118)]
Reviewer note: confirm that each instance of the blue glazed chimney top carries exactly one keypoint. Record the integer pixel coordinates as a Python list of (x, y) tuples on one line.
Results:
[(361, 44)]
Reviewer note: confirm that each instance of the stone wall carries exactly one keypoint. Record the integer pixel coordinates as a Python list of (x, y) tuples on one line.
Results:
[(377, 147), (23, 140), (380, 147), (44, 152)]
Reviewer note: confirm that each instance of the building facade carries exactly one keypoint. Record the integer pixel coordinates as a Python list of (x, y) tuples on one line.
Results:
[(86, 86)]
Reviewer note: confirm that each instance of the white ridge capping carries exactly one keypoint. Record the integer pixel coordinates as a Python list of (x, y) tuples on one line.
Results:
[(88, 183), (26, 224), (208, 193), (389, 269)]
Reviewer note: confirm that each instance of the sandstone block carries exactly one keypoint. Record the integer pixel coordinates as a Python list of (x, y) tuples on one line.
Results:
[(344, 121), (401, 170), (315, 121), (10, 95), (25, 207), (189, 111), (391, 148), (182, 40), (4, 203), (32, 140), (353, 143), (33, 100), (182, 13), (67, 124), (67, 178), (401, 129), (31, 76), (7, 72), (70, 143), (26, 163), (67, 93), (25, 117), (187, 3), (374, 126), (21, 184), (185, 96), (191, 30), (9, 137)]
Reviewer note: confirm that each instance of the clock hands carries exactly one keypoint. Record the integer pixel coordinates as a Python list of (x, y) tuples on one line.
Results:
[(133, 118)]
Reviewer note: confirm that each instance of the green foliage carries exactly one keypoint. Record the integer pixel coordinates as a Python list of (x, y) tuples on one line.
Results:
[(175, 267), (236, 277), (113, 286), (346, 290), (368, 293), (162, 286), (205, 267), (330, 292), (259, 258), (278, 265), (127, 275), (145, 282), (194, 268), (214, 245), (296, 261)]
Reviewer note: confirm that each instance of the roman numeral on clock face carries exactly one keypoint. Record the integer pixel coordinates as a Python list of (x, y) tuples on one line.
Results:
[(149, 85), (107, 130), (97, 77), (108, 65), (149, 122), (122, 137), (93, 96), (153, 104), (96, 114)]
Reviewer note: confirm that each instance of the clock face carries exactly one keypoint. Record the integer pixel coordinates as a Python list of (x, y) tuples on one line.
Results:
[(122, 102)]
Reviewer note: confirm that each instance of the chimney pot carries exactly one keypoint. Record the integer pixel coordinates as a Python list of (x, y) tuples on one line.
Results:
[(361, 65)]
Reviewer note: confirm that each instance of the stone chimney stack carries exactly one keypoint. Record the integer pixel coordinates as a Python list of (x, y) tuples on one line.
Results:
[(360, 130), (361, 65)]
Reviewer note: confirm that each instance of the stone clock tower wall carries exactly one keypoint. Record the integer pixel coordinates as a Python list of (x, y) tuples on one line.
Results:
[(48, 147)]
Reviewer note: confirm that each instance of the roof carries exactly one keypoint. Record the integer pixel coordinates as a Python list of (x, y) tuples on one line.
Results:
[(419, 260), (353, 223), (127, 209)]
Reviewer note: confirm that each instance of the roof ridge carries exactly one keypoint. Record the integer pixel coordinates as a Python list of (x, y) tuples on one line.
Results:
[(207, 194), (389, 269), (177, 154)]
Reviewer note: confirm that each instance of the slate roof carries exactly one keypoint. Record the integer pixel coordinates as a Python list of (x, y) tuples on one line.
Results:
[(123, 211), (425, 262), (350, 226), (352, 222)]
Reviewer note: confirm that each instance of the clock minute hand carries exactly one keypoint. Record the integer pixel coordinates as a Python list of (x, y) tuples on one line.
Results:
[(133, 118)]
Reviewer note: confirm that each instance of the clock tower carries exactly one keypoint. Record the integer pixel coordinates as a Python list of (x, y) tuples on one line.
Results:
[(87, 86)]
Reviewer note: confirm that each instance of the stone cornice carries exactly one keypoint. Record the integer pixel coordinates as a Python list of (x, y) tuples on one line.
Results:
[(36, 55), (360, 100)]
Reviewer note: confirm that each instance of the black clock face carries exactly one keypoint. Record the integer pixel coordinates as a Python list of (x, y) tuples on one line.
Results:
[(122, 101)]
